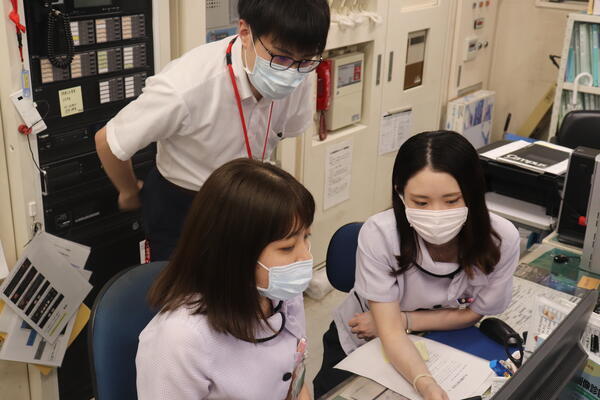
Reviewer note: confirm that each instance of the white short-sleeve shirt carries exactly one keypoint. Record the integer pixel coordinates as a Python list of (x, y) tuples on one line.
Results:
[(190, 109), (378, 244), (180, 357)]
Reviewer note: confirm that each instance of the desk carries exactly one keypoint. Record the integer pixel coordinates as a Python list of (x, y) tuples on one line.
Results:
[(361, 388)]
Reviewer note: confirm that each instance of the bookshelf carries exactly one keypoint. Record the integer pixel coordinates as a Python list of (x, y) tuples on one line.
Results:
[(581, 54)]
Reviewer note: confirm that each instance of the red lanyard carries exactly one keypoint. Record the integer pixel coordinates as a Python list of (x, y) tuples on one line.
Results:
[(16, 19), (238, 101)]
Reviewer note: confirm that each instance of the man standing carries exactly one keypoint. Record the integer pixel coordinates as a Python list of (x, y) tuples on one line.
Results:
[(233, 98)]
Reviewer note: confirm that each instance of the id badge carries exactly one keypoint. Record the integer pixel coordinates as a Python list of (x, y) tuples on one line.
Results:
[(298, 381), (299, 370)]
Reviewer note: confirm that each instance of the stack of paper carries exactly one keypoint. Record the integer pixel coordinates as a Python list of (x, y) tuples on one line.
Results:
[(460, 374), (42, 301)]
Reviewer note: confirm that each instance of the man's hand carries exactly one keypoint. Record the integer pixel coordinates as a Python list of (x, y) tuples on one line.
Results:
[(363, 326), (131, 201)]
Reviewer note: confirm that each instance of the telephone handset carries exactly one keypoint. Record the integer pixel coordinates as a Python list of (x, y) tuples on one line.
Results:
[(55, 19)]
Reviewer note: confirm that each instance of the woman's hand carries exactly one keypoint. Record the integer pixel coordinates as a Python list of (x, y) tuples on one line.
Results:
[(430, 390), (363, 326), (305, 393)]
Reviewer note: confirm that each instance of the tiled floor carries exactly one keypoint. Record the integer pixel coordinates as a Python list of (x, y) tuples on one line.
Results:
[(318, 318)]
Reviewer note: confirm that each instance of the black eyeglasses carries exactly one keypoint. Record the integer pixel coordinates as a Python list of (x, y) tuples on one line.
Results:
[(282, 63)]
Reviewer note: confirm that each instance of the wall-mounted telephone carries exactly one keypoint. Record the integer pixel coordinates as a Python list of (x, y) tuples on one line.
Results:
[(323, 95)]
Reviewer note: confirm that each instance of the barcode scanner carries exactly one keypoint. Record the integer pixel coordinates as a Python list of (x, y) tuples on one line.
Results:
[(501, 333)]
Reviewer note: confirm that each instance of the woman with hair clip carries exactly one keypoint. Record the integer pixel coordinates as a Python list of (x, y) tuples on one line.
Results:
[(231, 322), (438, 260)]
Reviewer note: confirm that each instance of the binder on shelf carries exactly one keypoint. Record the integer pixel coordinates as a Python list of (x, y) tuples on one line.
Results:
[(576, 49), (585, 62), (595, 32)]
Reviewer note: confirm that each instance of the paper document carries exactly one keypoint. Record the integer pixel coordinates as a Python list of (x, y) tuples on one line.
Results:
[(520, 310), (338, 174), (77, 254), (3, 264), (548, 314), (460, 374), (42, 291), (395, 129), (25, 345)]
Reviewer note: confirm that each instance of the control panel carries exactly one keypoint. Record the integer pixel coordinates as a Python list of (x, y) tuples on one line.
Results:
[(87, 60), (472, 49)]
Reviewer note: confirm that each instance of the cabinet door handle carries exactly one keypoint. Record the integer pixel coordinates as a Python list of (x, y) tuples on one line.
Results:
[(391, 66), (378, 78)]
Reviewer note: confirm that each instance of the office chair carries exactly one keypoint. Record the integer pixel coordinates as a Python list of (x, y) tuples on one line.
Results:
[(579, 128), (119, 314), (340, 262)]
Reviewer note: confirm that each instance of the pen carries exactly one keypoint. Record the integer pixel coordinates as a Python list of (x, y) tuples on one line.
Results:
[(473, 398), (359, 302)]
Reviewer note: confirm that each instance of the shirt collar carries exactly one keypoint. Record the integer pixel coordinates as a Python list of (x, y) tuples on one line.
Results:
[(293, 325), (238, 69)]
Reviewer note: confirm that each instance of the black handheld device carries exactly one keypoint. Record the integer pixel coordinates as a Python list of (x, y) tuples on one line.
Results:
[(500, 332)]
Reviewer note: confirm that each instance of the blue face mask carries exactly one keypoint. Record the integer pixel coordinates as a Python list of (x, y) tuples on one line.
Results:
[(287, 281), (271, 83)]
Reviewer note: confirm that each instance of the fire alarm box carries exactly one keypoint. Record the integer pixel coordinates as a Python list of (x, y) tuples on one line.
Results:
[(347, 75)]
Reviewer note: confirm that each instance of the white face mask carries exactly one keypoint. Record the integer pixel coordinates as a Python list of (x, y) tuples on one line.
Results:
[(270, 83), (436, 227), (287, 281)]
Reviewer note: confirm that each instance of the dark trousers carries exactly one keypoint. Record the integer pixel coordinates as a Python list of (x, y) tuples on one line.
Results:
[(328, 377), (164, 208)]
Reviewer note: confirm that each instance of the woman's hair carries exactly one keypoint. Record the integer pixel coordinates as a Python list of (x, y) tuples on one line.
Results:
[(449, 152), (241, 208), (301, 25)]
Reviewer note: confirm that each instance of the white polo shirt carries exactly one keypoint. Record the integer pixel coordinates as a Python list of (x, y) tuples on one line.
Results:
[(378, 244), (180, 357), (189, 108)]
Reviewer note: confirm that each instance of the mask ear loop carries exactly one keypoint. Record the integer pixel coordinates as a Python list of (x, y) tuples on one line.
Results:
[(400, 196), (246, 56)]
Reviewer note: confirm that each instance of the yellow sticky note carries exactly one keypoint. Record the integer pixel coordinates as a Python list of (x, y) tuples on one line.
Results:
[(587, 282), (422, 349), (71, 101)]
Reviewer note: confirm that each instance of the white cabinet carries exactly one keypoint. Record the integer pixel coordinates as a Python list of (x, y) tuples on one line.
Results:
[(413, 27), (473, 44)]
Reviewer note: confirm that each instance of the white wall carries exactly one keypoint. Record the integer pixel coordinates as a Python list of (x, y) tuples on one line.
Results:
[(521, 71)]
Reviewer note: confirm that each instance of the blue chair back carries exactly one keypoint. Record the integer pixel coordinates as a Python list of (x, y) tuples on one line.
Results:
[(340, 262), (119, 314)]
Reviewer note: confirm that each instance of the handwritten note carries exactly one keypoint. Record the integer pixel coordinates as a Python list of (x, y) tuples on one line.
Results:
[(71, 101)]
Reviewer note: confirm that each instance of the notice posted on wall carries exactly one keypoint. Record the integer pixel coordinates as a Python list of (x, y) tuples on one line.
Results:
[(44, 289), (338, 174), (395, 129)]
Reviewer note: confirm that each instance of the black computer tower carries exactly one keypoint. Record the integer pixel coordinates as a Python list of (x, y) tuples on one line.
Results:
[(571, 220)]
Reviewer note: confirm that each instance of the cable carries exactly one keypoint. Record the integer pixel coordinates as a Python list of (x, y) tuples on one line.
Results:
[(62, 62), (27, 131), (32, 156)]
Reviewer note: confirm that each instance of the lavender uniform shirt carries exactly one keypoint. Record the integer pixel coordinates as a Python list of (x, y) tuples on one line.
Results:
[(180, 357), (378, 245)]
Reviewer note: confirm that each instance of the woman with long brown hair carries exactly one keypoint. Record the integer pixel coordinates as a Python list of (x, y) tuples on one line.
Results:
[(438, 260), (231, 323)]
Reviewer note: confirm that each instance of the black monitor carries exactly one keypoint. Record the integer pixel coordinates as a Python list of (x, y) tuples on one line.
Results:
[(554, 363)]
